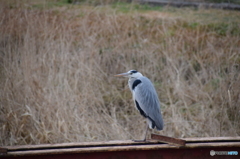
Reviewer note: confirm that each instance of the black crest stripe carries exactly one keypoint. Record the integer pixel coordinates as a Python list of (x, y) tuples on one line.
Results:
[(135, 83), (134, 71)]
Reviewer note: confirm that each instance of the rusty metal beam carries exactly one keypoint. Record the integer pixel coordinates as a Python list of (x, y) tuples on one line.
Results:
[(3, 151), (194, 148)]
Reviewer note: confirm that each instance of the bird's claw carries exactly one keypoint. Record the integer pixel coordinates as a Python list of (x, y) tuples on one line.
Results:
[(144, 140)]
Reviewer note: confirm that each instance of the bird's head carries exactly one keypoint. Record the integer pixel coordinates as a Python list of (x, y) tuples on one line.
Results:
[(130, 74)]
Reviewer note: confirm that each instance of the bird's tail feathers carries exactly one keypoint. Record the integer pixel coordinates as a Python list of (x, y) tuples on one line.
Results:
[(155, 123)]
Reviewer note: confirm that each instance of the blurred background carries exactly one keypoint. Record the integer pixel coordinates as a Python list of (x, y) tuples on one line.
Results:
[(58, 58)]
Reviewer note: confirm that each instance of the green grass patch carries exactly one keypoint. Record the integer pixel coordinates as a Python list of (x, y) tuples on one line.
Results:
[(224, 1), (51, 4), (128, 7), (224, 29)]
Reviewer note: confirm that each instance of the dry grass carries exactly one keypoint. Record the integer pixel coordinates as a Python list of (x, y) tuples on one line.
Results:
[(57, 65)]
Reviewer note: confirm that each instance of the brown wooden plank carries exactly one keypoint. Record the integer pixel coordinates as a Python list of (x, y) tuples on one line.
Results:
[(92, 147), (79, 145), (115, 143), (214, 144), (212, 139), (121, 148), (87, 150), (169, 140)]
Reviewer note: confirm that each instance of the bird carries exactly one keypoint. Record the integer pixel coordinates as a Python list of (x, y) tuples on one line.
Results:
[(145, 99)]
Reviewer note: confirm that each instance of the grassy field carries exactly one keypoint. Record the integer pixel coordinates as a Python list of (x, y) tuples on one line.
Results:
[(57, 63)]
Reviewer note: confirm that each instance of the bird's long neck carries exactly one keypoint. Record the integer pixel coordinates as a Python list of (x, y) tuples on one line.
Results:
[(130, 82)]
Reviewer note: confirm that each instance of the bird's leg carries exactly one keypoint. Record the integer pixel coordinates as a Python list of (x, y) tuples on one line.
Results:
[(144, 139), (146, 133)]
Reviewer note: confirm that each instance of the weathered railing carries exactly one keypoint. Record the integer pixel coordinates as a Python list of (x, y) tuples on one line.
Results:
[(224, 147)]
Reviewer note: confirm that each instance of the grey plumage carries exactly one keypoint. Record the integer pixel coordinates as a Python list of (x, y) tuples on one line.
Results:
[(145, 98)]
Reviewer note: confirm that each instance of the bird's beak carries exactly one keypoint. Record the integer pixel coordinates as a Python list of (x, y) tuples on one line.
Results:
[(122, 75)]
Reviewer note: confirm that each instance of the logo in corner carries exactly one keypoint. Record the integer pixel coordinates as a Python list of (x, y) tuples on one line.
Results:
[(212, 153)]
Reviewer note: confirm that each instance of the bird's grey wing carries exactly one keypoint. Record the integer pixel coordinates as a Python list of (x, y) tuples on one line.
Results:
[(146, 99)]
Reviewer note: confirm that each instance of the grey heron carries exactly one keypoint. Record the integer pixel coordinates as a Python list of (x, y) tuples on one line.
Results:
[(145, 98)]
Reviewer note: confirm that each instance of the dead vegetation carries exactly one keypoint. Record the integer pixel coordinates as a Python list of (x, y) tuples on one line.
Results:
[(56, 75)]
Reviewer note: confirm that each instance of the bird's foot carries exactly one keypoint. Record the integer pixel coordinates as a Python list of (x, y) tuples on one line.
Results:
[(144, 140)]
